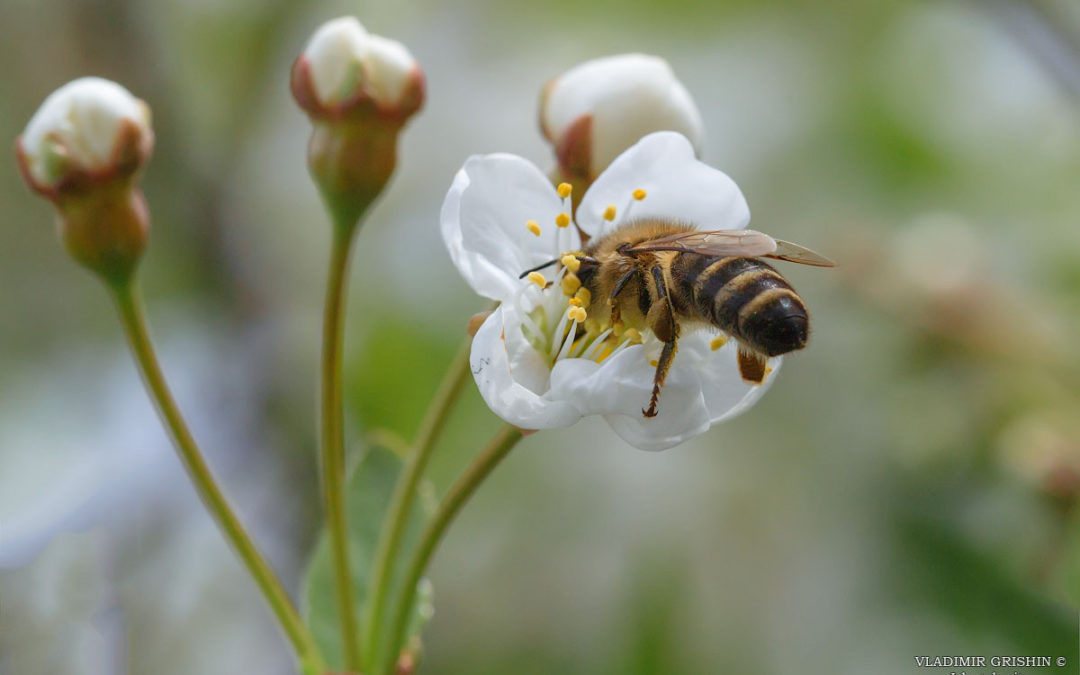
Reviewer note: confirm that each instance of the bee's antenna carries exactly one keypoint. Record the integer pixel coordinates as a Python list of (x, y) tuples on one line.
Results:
[(538, 268)]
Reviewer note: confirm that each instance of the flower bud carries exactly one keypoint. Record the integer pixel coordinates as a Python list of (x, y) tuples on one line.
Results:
[(359, 90), (83, 150), (596, 110)]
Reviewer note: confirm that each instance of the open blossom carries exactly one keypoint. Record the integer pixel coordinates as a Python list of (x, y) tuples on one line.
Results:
[(539, 360), (596, 110)]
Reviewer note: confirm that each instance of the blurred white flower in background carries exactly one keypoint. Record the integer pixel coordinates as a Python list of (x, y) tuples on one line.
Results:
[(107, 558), (596, 110), (87, 125), (537, 361), (1043, 449)]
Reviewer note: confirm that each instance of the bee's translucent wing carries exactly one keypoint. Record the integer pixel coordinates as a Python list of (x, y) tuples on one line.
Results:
[(785, 250), (742, 243)]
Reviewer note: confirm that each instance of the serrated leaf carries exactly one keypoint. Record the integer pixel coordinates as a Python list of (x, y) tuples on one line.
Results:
[(367, 498)]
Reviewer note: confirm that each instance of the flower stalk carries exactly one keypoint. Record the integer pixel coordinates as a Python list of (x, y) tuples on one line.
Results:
[(462, 490), (332, 440), (132, 318), (402, 501)]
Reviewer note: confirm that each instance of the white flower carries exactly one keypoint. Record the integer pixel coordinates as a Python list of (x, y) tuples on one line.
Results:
[(346, 62), (536, 367), (598, 109), (84, 125)]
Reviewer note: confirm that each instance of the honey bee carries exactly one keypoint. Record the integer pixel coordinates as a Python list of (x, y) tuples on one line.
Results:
[(672, 278)]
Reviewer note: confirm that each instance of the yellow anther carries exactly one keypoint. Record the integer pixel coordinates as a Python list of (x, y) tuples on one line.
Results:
[(609, 213), (654, 363), (618, 328), (565, 189), (632, 335), (534, 227), (577, 314), (576, 302), (639, 194), (584, 296), (570, 284), (562, 220), (718, 342), (571, 262), (537, 279)]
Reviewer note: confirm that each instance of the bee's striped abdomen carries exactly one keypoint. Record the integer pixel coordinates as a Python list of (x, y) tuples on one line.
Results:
[(744, 297)]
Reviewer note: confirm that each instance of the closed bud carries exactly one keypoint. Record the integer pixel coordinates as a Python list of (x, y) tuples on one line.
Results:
[(83, 150), (359, 90), (596, 110)]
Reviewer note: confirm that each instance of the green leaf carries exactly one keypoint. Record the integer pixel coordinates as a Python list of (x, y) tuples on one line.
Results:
[(367, 497)]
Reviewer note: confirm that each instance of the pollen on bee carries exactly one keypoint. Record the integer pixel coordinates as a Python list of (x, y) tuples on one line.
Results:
[(534, 227), (562, 220), (639, 194), (570, 284), (577, 314), (537, 279), (633, 336), (565, 189), (609, 213), (584, 295), (571, 262), (718, 342)]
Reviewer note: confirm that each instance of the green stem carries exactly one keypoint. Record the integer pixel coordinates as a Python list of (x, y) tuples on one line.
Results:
[(131, 316), (332, 442), (459, 494), (397, 516)]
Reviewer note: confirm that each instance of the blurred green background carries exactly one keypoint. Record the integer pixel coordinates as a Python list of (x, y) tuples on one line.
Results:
[(906, 488)]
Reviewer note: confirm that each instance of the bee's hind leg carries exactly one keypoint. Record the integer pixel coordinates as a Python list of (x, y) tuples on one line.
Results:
[(662, 321), (663, 364)]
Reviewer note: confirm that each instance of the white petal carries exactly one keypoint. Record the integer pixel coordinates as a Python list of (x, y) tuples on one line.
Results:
[(389, 66), (628, 97), (346, 59), (508, 398), (336, 51), (726, 393), (620, 388), (483, 222), (678, 188), (82, 119)]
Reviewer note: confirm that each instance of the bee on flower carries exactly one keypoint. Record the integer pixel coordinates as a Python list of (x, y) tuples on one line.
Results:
[(552, 352)]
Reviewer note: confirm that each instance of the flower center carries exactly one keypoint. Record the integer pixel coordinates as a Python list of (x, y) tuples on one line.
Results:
[(554, 314)]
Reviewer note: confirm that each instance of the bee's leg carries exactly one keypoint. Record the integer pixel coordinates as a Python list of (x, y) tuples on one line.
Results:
[(619, 286), (662, 321), (753, 366)]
